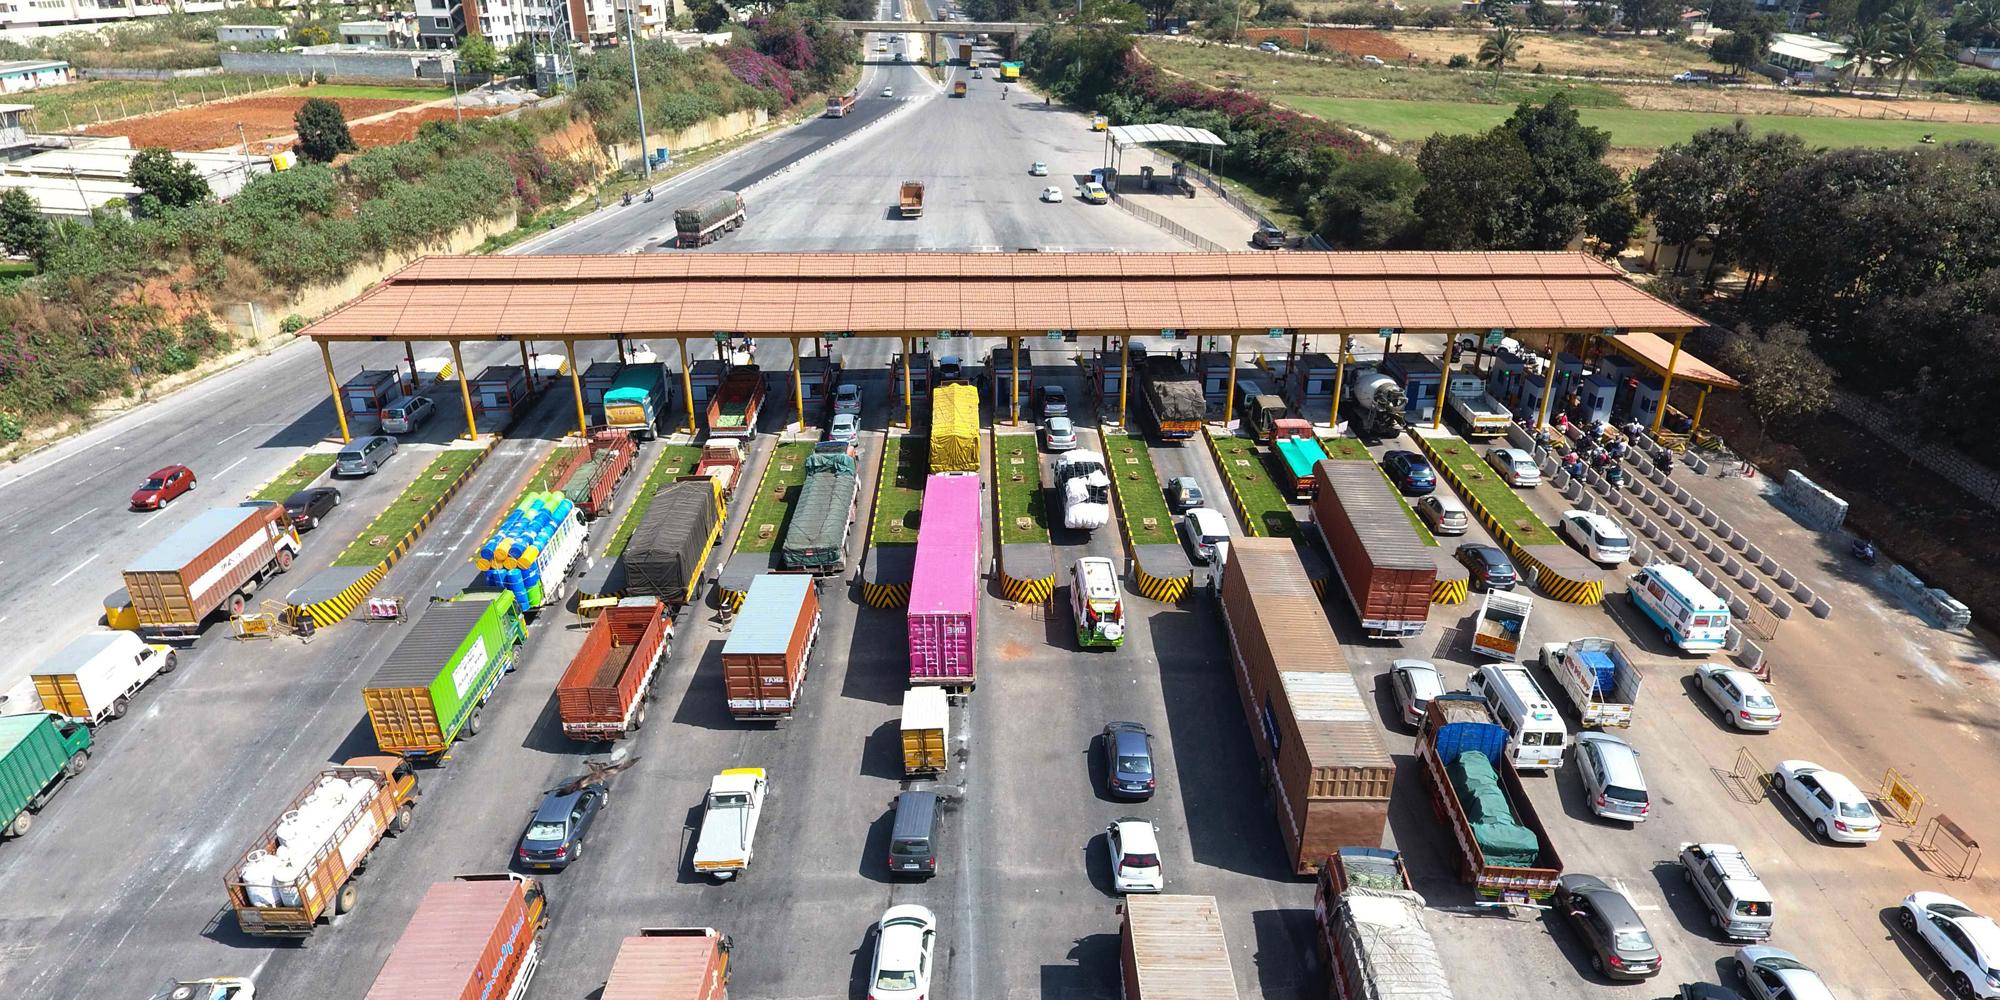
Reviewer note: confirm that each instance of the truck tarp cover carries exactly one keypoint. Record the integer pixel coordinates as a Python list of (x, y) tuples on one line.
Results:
[(820, 515), (1505, 843), (955, 429), (705, 211), (1175, 394), (661, 559)]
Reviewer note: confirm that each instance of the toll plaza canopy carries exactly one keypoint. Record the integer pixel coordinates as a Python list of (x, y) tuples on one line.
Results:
[(1127, 136)]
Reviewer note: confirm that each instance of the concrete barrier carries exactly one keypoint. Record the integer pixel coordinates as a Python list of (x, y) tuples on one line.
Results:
[(1707, 579), (1782, 610), (1745, 578), (1786, 579), (1815, 507), (1739, 542), (1675, 520), (1803, 594), (1731, 566), (1769, 566), (1649, 528), (1753, 553), (1703, 544), (1698, 464), (1764, 594), (1739, 607), (1688, 531), (1708, 517), (1821, 609), (1699, 509)]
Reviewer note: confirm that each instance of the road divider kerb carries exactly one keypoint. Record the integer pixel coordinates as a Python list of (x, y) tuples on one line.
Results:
[(1167, 589), (1569, 589)]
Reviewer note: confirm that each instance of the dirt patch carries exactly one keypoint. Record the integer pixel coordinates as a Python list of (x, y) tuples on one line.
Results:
[(403, 128), (1791, 102), (1355, 42), (214, 126)]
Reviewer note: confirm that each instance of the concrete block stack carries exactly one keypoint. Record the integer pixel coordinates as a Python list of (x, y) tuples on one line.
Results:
[(1816, 507)]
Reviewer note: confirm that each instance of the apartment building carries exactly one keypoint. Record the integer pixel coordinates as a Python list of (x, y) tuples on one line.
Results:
[(441, 23), (36, 18)]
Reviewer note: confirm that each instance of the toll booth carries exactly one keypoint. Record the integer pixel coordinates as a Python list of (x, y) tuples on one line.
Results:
[(1213, 367), (817, 377), (1618, 366), (596, 379), (1309, 389), (703, 376), (920, 375), (1646, 398), (1104, 375), (501, 389), (1422, 379), (369, 390), (1000, 365), (1530, 404), (1505, 378), (1598, 395)]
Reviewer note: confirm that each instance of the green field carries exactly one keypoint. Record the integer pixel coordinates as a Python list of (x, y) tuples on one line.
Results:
[(1142, 503), (406, 510), (1632, 128), (1266, 512), (1485, 485), (1017, 474), (674, 460), (302, 474), (367, 90), (59, 108), (771, 506), (899, 498)]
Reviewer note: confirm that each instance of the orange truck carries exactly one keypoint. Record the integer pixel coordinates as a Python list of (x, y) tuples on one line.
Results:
[(304, 866), (603, 694), (670, 963), (593, 473), (476, 937), (733, 411), (215, 561)]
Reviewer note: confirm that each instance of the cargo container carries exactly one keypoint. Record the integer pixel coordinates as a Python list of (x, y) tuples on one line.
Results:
[(1372, 938), (666, 553), (635, 400), (1330, 784), (535, 553), (603, 694), (770, 645), (1173, 397), (1172, 948), (1504, 851), (1599, 678), (94, 677), (503, 389), (305, 863), (591, 478), (476, 937), (214, 561), (944, 584), (955, 429), (430, 690), (38, 752), (926, 729), (822, 515), (733, 411), (1386, 570), (670, 963), (1295, 453)]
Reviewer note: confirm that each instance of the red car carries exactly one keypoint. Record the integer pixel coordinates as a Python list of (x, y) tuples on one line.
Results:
[(162, 487)]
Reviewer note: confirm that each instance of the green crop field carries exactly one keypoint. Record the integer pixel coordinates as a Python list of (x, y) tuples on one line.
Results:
[(674, 460), (771, 507), (1265, 506), (302, 474), (1486, 486), (899, 499), (1017, 475), (369, 91), (1144, 505), (406, 510)]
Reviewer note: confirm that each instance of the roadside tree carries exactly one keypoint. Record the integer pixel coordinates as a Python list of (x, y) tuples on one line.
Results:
[(322, 130), (24, 230), (1471, 197), (165, 181), (1785, 381), (1500, 47), (1738, 50), (1913, 44)]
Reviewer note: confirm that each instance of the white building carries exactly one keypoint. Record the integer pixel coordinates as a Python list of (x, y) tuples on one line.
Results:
[(43, 18), (34, 74), (400, 33), (251, 33), (442, 23), (1804, 57), (90, 172)]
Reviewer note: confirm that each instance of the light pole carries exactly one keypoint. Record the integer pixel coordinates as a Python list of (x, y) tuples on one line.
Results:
[(243, 144), (638, 100)]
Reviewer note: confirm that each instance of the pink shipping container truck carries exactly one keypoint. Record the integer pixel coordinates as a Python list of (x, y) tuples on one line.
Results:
[(944, 586)]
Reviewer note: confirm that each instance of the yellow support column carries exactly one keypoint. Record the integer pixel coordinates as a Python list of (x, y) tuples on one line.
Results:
[(908, 412), (1549, 384), (1667, 382), (1444, 384), (1015, 343), (332, 382), (798, 386), (464, 391), (576, 387), (527, 365), (1699, 402), (410, 351), (687, 381), (1124, 374), (1339, 378), (1229, 397)]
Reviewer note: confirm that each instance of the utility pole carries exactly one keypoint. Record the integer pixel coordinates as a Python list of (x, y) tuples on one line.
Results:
[(638, 100)]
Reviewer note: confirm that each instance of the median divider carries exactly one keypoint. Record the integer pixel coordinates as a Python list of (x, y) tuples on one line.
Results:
[(892, 547), (1171, 574), (1027, 567), (1560, 572)]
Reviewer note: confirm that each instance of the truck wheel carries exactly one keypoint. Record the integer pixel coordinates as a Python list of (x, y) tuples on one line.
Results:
[(472, 724), (345, 900), (284, 560), (405, 816), (19, 828), (237, 602), (173, 660), (639, 718), (118, 707), (76, 763)]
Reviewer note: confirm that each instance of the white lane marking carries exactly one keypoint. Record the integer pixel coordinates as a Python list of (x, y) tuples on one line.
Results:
[(73, 571), (75, 519), (240, 433), (232, 465)]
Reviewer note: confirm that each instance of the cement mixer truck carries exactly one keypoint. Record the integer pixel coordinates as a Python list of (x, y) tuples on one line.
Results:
[(1378, 404)]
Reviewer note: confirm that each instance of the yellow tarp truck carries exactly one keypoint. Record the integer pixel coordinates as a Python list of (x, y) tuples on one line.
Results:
[(955, 429)]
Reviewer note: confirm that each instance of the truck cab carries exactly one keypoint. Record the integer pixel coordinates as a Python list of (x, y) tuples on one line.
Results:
[(729, 822)]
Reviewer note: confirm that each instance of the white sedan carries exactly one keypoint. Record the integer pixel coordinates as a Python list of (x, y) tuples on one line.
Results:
[(905, 941), (1743, 700), (888, 91), (1052, 194), (1831, 804), (1599, 537), (1135, 855), (1966, 943), (1516, 467), (1037, 168)]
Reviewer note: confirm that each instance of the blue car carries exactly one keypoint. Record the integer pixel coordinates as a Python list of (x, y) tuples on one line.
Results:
[(1128, 761), (1411, 474)]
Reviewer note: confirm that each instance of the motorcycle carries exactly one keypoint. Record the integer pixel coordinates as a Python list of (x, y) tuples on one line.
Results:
[(627, 200), (1864, 552), (649, 195)]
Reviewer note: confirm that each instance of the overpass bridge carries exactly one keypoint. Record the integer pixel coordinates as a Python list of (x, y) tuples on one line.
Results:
[(1012, 31)]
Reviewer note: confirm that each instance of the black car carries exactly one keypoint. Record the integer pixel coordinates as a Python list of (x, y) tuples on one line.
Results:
[(1490, 567), (554, 837), (1411, 474), (307, 506), (1706, 991), (1128, 761), (1055, 401)]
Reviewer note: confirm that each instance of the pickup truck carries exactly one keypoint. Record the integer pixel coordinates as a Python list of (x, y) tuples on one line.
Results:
[(1503, 620), (729, 817), (910, 199), (1479, 414), (1601, 681)]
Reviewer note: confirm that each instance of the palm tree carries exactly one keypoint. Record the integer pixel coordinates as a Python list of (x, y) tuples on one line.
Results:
[(1914, 45), (1499, 48), (1863, 49), (1978, 21)]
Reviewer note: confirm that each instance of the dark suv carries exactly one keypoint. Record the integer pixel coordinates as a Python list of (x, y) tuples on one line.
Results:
[(1411, 474), (1128, 761)]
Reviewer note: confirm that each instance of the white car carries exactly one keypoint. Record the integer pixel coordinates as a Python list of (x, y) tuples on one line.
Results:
[(1515, 466), (1206, 532), (1135, 855), (1966, 943), (847, 399), (844, 428), (888, 91), (1831, 804), (1052, 194), (1597, 536), (1743, 700), (1775, 974), (1614, 786), (1415, 683), (1037, 168), (905, 942)]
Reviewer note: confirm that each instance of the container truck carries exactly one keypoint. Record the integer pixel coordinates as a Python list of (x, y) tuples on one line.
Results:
[(670, 963), (94, 677), (955, 428), (430, 690), (476, 937), (1330, 776), (910, 199), (535, 553), (705, 220), (965, 53), (1503, 621), (38, 752), (635, 400), (732, 412), (603, 694), (1504, 851), (926, 729), (666, 553), (1173, 397), (1172, 948), (728, 837), (944, 584), (304, 865), (1600, 679), (958, 88), (815, 538), (1084, 485), (1478, 414), (1010, 71), (591, 477), (215, 561), (838, 107), (1372, 937), (765, 658), (1386, 570), (1295, 453)]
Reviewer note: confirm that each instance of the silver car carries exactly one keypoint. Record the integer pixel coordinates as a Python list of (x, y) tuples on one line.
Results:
[(1058, 433), (1206, 532), (364, 456), (404, 416), (844, 428), (1515, 466), (1612, 781)]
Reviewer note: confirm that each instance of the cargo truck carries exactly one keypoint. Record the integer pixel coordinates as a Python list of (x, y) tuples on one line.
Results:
[(838, 107), (94, 677), (590, 479), (1323, 761), (1173, 397), (670, 963), (705, 220), (815, 538), (304, 865), (431, 689), (1503, 621), (1010, 70), (635, 400), (943, 614), (1385, 569), (1295, 453), (910, 199), (1172, 948), (1600, 679), (958, 88), (39, 751), (1084, 484), (1260, 416), (728, 837), (476, 937), (926, 731), (954, 443), (721, 460), (965, 53), (215, 561), (733, 410), (1372, 937), (534, 554), (666, 553), (1504, 851), (765, 658), (1478, 414), (603, 694)]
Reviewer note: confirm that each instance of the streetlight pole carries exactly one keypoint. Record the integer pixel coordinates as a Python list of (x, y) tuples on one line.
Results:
[(638, 100)]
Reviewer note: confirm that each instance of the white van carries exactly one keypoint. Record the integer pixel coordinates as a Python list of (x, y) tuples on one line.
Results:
[(1095, 601), (1690, 615), (1535, 731)]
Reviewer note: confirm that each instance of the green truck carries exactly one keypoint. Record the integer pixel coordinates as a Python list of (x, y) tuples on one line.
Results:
[(430, 690), (38, 752)]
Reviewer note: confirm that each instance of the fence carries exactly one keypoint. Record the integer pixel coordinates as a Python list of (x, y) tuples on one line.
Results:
[(68, 116), (1806, 106), (1174, 229)]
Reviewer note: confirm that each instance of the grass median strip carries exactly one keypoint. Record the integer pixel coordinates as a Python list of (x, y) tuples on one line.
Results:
[(772, 506), (406, 510), (899, 499), (1492, 492), (1017, 475), (1264, 504), (674, 460), (1139, 490), (302, 474)]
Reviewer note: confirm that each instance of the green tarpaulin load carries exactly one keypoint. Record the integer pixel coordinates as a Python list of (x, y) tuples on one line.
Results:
[(821, 515), (1504, 842)]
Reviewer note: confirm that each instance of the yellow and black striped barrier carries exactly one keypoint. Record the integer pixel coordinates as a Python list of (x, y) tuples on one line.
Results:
[(1568, 586), (885, 595), (1035, 590), (1251, 526), (1448, 591), (1164, 589), (731, 599), (337, 607)]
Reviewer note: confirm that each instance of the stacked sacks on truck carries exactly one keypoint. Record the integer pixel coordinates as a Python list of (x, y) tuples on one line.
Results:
[(525, 546)]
